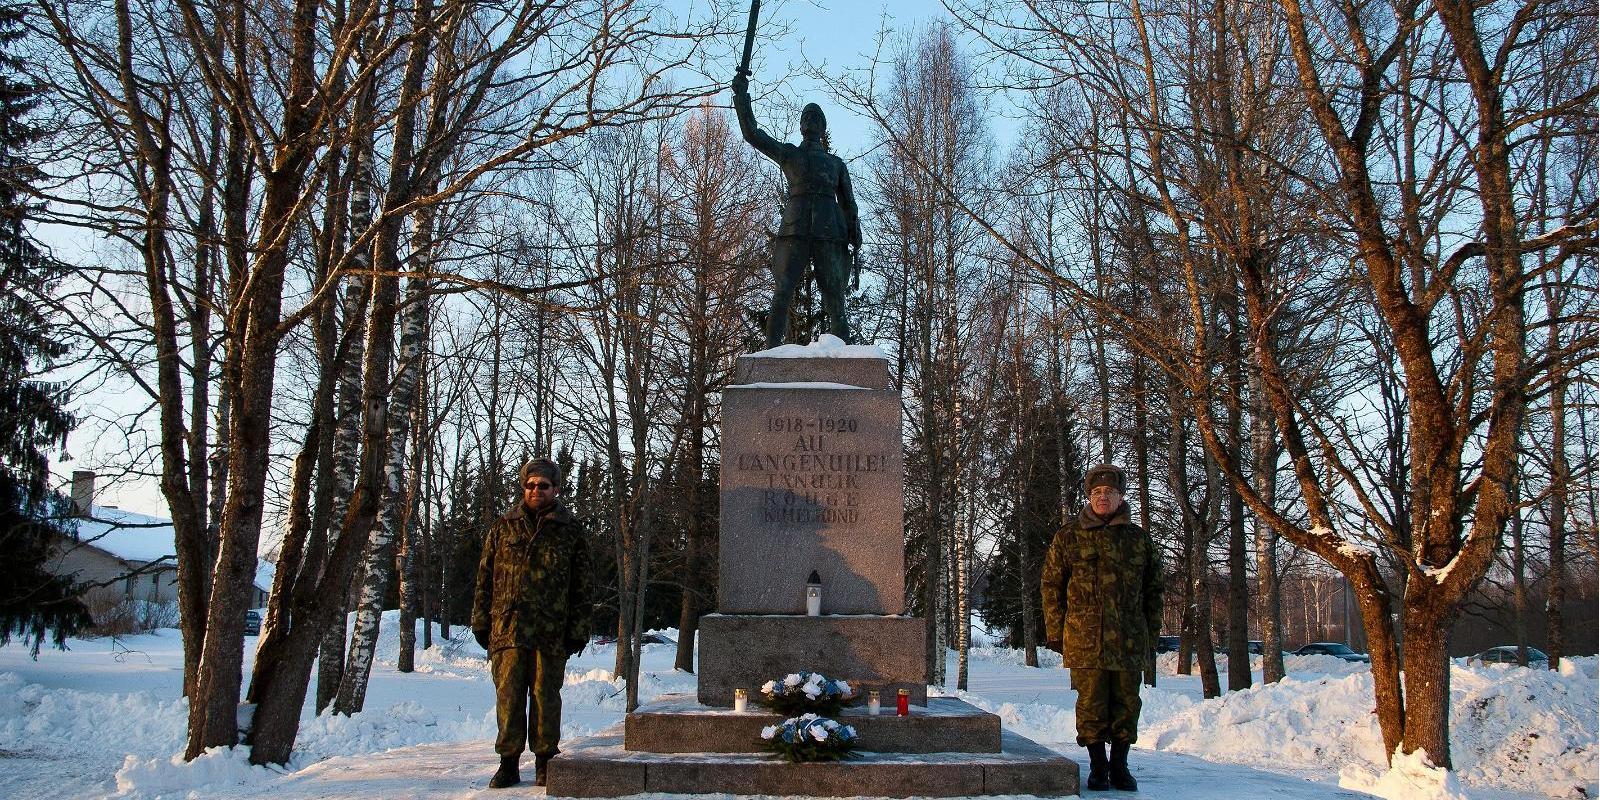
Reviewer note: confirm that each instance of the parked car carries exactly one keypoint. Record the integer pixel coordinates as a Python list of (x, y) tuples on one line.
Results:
[(1166, 644), (1507, 654), (649, 638), (252, 623), (1334, 649)]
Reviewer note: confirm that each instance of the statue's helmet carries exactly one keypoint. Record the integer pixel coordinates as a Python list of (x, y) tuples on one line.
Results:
[(812, 123)]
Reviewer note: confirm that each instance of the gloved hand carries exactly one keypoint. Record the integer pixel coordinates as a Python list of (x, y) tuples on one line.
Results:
[(483, 638)]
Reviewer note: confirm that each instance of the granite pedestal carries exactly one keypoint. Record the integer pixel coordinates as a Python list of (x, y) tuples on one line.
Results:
[(871, 652), (811, 481)]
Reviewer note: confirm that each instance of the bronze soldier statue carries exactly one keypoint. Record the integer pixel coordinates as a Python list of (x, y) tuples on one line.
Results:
[(530, 612), (1101, 591), (819, 215)]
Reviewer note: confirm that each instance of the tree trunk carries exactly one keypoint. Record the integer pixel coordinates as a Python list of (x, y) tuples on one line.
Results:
[(398, 406), (1141, 461), (695, 398), (322, 607), (409, 564), (1560, 485), (689, 608), (1269, 593), (426, 596), (641, 561), (347, 431), (290, 567), (1238, 581), (1519, 581), (963, 611), (1560, 477), (253, 371), (1427, 684), (380, 549)]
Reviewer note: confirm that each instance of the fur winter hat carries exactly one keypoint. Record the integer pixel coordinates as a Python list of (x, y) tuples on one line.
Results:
[(543, 467), (1105, 475)]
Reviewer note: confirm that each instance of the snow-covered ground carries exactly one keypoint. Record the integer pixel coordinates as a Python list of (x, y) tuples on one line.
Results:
[(105, 720)]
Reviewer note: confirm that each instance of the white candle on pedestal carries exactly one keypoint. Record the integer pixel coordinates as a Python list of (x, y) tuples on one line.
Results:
[(814, 595)]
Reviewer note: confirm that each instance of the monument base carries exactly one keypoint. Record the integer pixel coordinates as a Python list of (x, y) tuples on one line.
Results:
[(675, 723), (598, 766), (744, 651)]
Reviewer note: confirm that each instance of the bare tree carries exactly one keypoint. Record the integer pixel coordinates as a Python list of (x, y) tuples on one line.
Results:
[(711, 223), (932, 109), (1465, 394)]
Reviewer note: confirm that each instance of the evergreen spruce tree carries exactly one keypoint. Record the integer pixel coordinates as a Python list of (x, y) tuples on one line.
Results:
[(33, 603)]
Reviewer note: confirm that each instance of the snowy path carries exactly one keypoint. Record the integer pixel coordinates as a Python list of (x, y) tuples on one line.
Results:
[(101, 722)]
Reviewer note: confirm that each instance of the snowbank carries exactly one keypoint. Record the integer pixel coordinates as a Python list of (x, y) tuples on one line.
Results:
[(1300, 723), (1515, 727), (1409, 777), (1511, 728), (84, 723)]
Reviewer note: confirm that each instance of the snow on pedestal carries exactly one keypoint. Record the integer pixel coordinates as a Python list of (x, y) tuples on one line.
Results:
[(826, 346)]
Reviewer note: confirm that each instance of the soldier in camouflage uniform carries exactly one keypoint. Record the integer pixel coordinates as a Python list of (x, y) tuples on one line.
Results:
[(530, 612), (1101, 592)]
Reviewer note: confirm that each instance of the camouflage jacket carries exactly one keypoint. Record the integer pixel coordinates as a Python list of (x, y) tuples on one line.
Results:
[(1101, 592), (533, 582)]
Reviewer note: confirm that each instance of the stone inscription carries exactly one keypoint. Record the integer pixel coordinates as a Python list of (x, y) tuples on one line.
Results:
[(817, 478)]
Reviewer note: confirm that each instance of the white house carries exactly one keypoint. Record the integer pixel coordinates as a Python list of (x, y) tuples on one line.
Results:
[(126, 555)]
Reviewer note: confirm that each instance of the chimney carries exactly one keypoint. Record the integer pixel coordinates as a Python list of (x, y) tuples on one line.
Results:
[(82, 491)]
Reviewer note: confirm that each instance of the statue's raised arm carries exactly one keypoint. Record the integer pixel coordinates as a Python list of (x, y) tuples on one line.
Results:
[(759, 139)]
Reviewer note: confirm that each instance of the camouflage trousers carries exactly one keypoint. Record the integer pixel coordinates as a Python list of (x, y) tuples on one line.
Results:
[(527, 689), (1108, 705)]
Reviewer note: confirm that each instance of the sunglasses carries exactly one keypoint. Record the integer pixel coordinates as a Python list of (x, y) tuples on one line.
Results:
[(540, 486)]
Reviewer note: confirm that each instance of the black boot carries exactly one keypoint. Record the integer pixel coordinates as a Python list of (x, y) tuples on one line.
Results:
[(1121, 778), (541, 763), (1099, 774), (507, 774)]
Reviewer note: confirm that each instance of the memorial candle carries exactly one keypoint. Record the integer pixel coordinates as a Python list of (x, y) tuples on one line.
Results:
[(902, 702), (874, 704), (741, 700)]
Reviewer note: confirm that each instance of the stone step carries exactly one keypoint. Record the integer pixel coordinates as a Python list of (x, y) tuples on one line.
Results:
[(676, 723), (600, 766)]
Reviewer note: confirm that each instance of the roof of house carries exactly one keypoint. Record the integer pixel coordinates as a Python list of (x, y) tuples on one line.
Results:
[(142, 539)]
